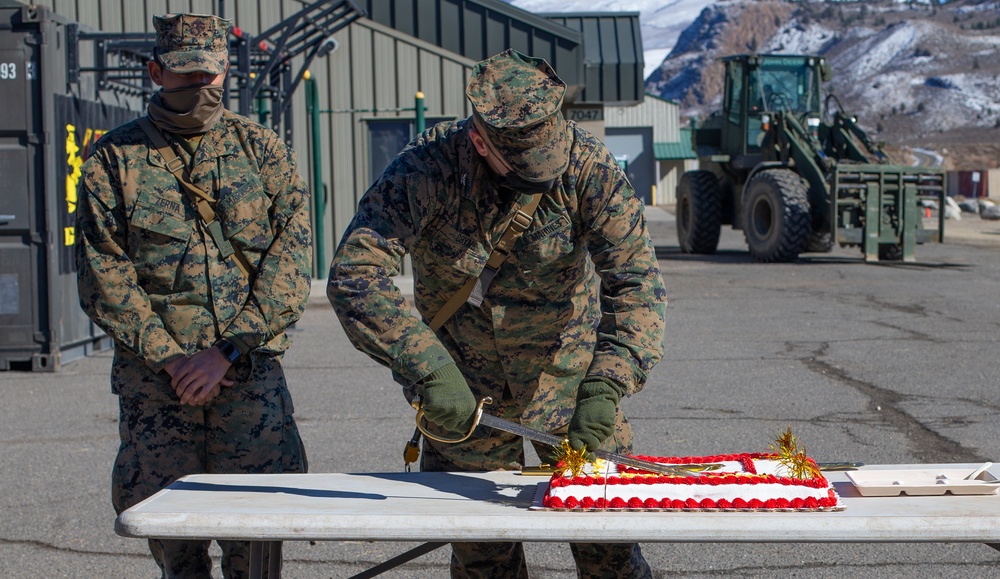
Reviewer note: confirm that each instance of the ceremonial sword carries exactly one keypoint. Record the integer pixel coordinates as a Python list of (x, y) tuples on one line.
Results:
[(491, 421)]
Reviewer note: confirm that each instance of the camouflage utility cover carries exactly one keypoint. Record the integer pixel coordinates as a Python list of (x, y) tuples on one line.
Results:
[(518, 103), (188, 43), (546, 322), (151, 276)]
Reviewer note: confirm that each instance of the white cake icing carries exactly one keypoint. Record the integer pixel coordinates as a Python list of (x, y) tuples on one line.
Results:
[(745, 481)]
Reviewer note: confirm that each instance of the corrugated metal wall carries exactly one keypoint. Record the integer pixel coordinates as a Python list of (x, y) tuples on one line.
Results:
[(663, 116), (613, 59), (479, 29), (379, 68), (653, 112), (670, 176), (375, 67)]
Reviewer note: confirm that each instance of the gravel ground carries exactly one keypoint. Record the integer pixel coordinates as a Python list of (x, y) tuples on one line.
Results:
[(972, 230)]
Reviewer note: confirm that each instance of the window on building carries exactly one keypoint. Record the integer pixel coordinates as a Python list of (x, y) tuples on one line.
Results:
[(386, 138)]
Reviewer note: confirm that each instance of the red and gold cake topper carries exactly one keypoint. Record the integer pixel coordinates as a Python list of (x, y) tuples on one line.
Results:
[(793, 456), (571, 460), (786, 447)]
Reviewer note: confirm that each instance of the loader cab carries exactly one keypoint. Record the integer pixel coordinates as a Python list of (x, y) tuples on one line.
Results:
[(757, 86)]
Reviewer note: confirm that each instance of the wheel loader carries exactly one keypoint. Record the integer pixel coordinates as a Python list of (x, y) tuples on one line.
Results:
[(797, 174)]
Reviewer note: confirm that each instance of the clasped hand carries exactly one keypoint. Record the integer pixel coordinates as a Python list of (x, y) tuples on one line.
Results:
[(198, 378)]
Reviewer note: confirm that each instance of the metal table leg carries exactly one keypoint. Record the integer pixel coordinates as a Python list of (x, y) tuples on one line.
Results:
[(398, 560), (257, 550)]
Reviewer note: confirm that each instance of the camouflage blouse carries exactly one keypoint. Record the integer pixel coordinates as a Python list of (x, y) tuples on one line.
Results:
[(150, 275), (581, 294)]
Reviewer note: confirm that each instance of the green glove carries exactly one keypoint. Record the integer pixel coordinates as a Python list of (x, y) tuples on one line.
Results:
[(447, 400), (593, 420)]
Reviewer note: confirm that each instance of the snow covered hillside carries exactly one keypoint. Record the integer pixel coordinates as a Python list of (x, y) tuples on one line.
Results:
[(918, 75), (662, 21)]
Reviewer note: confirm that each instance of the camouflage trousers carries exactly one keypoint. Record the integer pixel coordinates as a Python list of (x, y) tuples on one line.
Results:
[(503, 451), (248, 428)]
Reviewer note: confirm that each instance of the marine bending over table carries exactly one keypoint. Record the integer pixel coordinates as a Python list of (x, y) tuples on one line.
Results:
[(559, 324)]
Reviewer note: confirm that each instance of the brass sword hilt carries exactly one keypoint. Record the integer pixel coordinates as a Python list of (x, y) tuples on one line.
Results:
[(417, 404)]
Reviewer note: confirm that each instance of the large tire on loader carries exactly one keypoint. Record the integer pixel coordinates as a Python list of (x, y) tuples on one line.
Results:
[(699, 212), (819, 242), (776, 220), (890, 252), (887, 251)]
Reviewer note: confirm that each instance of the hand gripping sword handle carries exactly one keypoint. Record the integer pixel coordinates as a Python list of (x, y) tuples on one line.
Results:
[(417, 404)]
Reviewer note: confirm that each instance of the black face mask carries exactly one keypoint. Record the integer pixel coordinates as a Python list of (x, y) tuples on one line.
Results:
[(515, 183)]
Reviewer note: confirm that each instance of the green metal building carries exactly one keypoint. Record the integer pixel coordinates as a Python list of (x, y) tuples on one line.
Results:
[(367, 84), (356, 110)]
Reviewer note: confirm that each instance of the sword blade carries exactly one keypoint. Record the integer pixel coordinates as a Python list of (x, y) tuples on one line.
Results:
[(556, 441)]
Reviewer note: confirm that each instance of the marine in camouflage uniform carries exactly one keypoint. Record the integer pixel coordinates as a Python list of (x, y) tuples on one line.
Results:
[(153, 278), (579, 300)]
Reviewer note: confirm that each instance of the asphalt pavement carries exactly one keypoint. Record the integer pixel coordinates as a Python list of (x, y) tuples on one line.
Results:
[(878, 363)]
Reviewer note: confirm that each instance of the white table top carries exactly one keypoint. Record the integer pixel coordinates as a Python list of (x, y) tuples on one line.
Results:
[(495, 506)]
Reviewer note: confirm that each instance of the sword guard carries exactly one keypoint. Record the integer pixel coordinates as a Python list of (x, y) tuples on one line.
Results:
[(418, 405)]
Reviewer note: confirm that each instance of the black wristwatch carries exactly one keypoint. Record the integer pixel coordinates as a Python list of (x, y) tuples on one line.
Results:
[(228, 350)]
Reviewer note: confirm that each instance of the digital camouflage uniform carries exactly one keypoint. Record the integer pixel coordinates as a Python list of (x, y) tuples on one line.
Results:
[(153, 279), (581, 294)]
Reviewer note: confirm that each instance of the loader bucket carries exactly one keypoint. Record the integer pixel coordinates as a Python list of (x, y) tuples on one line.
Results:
[(878, 207)]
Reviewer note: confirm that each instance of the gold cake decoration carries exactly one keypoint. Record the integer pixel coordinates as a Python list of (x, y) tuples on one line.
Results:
[(790, 453), (793, 456), (572, 460)]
